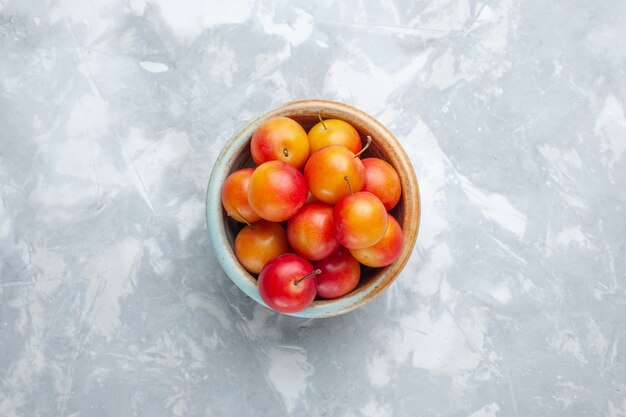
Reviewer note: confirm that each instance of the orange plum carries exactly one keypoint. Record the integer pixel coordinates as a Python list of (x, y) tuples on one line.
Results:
[(386, 250), (334, 132), (311, 231), (259, 243), (382, 181), (235, 196), (276, 191), (360, 220), (325, 173), (282, 139)]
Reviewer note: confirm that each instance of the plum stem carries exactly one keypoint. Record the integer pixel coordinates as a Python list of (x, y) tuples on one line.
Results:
[(310, 274), (319, 115), (239, 217), (286, 152), (349, 185), (367, 145)]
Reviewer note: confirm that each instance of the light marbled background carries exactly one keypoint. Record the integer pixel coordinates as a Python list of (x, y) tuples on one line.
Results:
[(112, 114)]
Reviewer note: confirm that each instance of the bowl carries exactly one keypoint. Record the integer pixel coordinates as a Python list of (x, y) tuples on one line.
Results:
[(236, 155)]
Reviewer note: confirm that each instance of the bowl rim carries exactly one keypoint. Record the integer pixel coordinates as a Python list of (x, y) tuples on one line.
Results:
[(215, 216)]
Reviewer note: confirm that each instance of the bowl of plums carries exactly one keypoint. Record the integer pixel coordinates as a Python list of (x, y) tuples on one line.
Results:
[(313, 208)]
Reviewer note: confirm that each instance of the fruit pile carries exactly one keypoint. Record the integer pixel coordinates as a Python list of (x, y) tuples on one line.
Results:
[(335, 206)]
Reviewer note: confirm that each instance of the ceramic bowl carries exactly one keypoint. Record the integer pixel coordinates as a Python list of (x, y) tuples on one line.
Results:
[(236, 155)]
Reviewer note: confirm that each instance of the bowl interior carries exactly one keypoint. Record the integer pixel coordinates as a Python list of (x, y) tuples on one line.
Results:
[(406, 211)]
